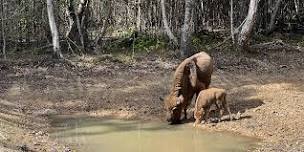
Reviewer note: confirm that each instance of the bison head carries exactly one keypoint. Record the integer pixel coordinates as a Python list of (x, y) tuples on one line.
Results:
[(173, 106)]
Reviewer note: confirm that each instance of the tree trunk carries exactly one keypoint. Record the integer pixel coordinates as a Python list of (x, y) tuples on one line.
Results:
[(273, 17), (105, 24), (77, 31), (54, 30), (247, 29), (166, 26), (232, 21), (297, 6), (185, 32), (3, 29), (202, 8), (138, 22)]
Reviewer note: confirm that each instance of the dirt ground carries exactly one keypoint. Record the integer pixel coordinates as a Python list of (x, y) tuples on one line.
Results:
[(267, 88)]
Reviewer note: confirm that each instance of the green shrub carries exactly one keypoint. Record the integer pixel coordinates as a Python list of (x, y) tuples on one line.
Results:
[(204, 41), (147, 44), (133, 42)]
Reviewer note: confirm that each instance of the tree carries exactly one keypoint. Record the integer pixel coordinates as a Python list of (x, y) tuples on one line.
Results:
[(105, 22), (86, 23), (185, 32), (273, 17), (297, 6), (138, 22), (247, 28), (232, 22), (165, 23), (2, 31), (54, 30), (78, 20)]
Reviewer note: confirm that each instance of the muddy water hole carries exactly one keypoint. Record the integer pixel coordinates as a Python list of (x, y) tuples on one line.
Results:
[(112, 135)]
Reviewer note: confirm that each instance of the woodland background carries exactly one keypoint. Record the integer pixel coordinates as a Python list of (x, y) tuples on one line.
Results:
[(92, 26)]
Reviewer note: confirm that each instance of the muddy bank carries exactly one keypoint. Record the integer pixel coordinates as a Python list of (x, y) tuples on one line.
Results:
[(267, 89)]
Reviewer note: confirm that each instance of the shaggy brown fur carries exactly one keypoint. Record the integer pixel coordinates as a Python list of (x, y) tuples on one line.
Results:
[(206, 99), (190, 77)]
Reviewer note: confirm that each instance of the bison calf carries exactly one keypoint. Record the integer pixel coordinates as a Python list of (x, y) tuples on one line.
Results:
[(206, 99)]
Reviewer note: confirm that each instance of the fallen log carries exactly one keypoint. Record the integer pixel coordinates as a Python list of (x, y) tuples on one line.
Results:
[(276, 45)]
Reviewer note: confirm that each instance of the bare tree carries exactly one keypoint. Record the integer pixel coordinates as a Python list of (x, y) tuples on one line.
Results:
[(78, 25), (77, 22), (232, 22), (54, 30), (297, 6), (2, 31), (185, 32), (247, 29), (87, 21), (138, 22), (273, 16), (166, 26), (105, 22)]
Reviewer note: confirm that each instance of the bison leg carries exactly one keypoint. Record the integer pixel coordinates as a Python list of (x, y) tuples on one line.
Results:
[(207, 83), (225, 105), (185, 110), (185, 113), (228, 110), (219, 111), (206, 116), (198, 113), (196, 94)]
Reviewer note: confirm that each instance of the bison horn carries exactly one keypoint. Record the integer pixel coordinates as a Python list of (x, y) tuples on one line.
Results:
[(161, 98)]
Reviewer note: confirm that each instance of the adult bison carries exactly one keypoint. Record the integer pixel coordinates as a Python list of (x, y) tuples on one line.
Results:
[(190, 77)]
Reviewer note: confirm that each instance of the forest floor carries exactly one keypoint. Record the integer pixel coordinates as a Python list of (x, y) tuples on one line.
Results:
[(266, 87)]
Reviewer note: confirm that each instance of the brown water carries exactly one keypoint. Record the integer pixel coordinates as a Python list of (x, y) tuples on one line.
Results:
[(108, 135)]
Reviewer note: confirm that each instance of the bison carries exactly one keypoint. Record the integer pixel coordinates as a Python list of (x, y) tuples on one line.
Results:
[(190, 77), (206, 99)]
